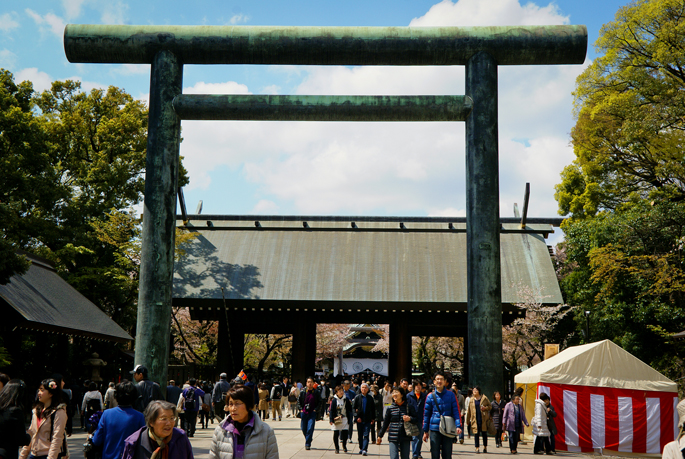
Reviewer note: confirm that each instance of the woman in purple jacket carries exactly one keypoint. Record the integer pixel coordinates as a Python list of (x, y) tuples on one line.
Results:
[(513, 420), (159, 439)]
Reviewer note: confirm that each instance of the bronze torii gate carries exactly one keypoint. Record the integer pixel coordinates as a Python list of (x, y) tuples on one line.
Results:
[(480, 49)]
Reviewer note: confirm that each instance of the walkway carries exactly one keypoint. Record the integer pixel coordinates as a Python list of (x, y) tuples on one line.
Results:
[(291, 445)]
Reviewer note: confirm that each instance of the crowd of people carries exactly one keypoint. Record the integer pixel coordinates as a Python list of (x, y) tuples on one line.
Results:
[(133, 421)]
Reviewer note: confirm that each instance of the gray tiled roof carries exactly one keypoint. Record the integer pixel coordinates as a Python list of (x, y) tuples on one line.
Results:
[(45, 301), (330, 261)]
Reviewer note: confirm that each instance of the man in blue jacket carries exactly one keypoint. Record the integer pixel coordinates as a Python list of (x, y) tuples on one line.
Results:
[(118, 423), (440, 402)]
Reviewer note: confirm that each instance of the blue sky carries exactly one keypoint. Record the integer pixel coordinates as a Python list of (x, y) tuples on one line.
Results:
[(332, 168)]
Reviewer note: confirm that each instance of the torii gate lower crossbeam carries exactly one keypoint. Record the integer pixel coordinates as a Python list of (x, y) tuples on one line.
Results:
[(481, 49)]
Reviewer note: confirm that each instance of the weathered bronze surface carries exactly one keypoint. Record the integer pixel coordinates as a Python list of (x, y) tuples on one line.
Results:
[(159, 219), (509, 45), (322, 108), (483, 268)]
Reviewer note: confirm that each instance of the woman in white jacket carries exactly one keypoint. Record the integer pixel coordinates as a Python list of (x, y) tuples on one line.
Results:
[(540, 429), (242, 435)]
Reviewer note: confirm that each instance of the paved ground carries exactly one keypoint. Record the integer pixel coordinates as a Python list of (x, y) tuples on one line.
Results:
[(291, 445)]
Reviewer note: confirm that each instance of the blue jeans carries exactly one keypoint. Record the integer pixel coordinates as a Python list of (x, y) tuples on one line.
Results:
[(307, 424), (399, 450), (416, 442), (440, 445), (363, 430)]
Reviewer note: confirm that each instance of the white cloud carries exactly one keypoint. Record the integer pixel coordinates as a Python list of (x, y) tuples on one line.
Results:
[(239, 19), (72, 8), (447, 212), (48, 23), (472, 13), (8, 22), (114, 12), (265, 207), (398, 168), (41, 80), (229, 87), (7, 59)]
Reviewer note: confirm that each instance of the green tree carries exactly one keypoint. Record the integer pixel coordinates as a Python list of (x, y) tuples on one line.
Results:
[(29, 183), (630, 109), (626, 268)]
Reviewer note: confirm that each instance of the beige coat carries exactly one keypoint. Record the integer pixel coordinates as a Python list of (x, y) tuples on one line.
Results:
[(41, 444), (263, 396), (471, 418)]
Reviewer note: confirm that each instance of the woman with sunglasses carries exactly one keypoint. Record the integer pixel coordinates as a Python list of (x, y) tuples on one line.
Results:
[(242, 435)]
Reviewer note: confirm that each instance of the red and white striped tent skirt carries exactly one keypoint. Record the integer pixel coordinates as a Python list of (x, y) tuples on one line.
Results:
[(629, 421)]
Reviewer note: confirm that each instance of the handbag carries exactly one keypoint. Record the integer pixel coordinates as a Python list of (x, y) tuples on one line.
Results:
[(412, 430), (91, 451), (448, 427), (338, 421), (205, 408)]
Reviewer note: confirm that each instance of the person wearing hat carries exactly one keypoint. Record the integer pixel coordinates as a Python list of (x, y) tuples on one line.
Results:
[(219, 397), (676, 448), (147, 390)]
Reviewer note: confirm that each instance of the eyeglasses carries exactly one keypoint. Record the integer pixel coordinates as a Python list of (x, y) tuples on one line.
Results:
[(236, 404), (165, 419)]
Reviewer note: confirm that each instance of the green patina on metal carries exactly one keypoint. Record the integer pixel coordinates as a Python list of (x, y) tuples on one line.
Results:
[(159, 218), (484, 272), (322, 108), (509, 45)]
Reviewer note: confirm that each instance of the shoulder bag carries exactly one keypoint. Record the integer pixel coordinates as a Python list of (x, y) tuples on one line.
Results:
[(410, 428), (448, 427)]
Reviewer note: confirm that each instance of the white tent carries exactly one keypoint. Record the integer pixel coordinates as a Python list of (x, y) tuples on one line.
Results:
[(605, 398)]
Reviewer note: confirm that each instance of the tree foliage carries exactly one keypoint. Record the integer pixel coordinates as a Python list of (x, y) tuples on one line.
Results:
[(630, 108), (626, 268), (73, 168)]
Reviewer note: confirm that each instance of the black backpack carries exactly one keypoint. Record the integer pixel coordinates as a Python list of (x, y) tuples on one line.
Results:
[(278, 391), (92, 406), (190, 404)]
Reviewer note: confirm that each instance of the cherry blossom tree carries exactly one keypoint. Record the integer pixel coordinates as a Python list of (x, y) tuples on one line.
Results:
[(523, 341)]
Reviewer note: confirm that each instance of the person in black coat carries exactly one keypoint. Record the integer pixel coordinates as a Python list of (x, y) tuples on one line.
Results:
[(12, 429), (364, 415), (399, 412)]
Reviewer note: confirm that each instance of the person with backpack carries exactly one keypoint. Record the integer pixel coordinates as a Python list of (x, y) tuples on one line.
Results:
[(92, 403), (48, 424), (219, 397), (119, 422), (147, 390), (276, 393), (192, 403)]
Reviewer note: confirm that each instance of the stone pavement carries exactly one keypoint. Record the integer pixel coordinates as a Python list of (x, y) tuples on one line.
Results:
[(291, 445)]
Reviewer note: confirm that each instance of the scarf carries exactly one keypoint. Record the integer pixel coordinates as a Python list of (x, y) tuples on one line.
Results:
[(162, 452)]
